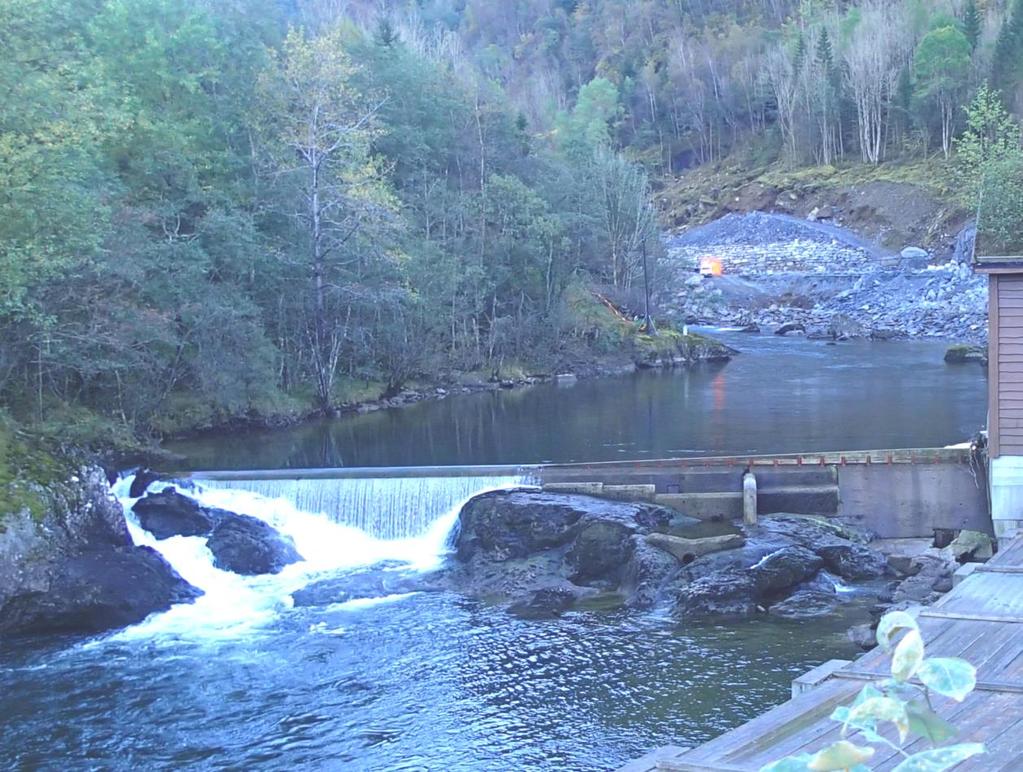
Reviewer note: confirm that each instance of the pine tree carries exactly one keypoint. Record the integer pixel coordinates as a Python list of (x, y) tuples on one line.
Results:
[(1008, 54), (972, 24)]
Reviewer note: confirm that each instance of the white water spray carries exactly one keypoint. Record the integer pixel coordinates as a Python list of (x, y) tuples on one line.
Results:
[(233, 605)]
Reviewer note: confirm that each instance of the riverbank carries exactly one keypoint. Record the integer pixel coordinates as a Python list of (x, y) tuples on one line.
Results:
[(633, 351)]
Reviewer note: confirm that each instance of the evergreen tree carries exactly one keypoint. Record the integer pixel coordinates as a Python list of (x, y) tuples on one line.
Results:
[(972, 23)]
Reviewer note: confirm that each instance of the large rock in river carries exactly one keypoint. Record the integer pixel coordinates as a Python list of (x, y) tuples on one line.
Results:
[(168, 513), (247, 545), (511, 544), (73, 567)]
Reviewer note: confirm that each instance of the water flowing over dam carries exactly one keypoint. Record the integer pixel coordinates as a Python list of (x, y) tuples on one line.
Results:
[(383, 503)]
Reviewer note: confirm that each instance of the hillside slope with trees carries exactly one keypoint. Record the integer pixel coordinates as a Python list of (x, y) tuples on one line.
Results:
[(259, 209)]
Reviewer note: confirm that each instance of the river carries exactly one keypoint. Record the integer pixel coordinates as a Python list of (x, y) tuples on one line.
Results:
[(429, 681), (778, 395)]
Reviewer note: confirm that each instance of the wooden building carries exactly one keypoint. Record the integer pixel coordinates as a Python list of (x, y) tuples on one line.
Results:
[(1005, 387)]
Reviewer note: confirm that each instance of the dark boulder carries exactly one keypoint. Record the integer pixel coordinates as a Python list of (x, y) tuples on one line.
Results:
[(724, 593), (863, 636), (511, 544), (548, 602), (853, 561), (791, 327), (647, 572), (517, 523), (168, 513), (931, 576), (842, 549), (744, 557), (785, 568), (247, 545), (77, 570), (600, 550), (143, 479), (804, 604), (99, 590)]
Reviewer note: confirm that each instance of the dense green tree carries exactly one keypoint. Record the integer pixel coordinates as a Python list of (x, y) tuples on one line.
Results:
[(941, 63), (972, 23)]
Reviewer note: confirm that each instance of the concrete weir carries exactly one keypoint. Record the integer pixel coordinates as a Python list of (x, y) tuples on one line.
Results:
[(894, 493)]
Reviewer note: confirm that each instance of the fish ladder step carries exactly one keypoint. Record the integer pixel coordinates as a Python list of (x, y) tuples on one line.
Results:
[(705, 505), (799, 499), (639, 492)]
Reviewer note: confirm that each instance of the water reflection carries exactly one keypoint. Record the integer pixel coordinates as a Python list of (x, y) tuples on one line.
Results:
[(779, 395)]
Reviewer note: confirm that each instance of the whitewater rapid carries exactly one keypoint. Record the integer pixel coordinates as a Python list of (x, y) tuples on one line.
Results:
[(233, 605)]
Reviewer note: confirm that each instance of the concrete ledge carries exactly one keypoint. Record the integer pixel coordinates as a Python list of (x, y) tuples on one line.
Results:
[(963, 572), (818, 675)]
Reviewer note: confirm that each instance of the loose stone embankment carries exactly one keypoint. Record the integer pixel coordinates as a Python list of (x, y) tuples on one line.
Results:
[(780, 270)]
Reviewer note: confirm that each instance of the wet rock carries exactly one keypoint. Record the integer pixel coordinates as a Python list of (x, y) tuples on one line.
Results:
[(804, 604), (852, 561), (247, 545), (724, 593), (863, 636), (168, 513), (687, 550), (833, 542), (77, 570), (785, 568), (100, 590), (963, 354), (742, 558), (377, 582), (509, 544), (931, 576), (791, 327), (143, 479), (515, 524), (600, 550), (548, 602), (648, 571)]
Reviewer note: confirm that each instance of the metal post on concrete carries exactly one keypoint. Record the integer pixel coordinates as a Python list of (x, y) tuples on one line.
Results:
[(749, 498)]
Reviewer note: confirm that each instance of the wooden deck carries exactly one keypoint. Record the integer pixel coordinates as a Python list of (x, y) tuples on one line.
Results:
[(981, 620)]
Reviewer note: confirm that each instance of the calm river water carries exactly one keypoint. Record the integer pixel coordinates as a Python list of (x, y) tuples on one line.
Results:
[(779, 395), (243, 680)]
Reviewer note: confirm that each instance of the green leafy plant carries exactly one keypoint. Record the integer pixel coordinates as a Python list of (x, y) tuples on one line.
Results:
[(903, 701)]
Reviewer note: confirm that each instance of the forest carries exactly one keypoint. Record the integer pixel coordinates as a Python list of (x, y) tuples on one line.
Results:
[(221, 210)]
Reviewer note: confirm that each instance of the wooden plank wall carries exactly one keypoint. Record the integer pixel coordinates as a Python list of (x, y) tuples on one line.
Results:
[(1006, 368)]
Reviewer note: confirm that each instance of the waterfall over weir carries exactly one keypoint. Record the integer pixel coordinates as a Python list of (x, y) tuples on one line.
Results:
[(389, 506)]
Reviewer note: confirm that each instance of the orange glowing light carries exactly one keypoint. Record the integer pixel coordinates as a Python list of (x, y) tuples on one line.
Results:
[(711, 266)]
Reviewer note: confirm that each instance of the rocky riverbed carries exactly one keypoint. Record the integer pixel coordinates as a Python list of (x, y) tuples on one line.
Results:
[(824, 280), (542, 554)]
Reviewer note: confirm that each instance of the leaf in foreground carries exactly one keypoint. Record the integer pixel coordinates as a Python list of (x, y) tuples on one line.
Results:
[(948, 676)]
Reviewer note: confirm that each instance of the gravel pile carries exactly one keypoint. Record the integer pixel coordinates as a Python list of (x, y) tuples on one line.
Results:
[(780, 270)]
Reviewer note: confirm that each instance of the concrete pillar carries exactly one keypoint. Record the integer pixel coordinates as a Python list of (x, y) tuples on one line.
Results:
[(749, 499)]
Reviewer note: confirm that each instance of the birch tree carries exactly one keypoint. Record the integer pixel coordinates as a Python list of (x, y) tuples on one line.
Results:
[(318, 130)]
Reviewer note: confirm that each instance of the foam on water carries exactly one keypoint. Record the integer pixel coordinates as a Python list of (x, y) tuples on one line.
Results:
[(233, 605)]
